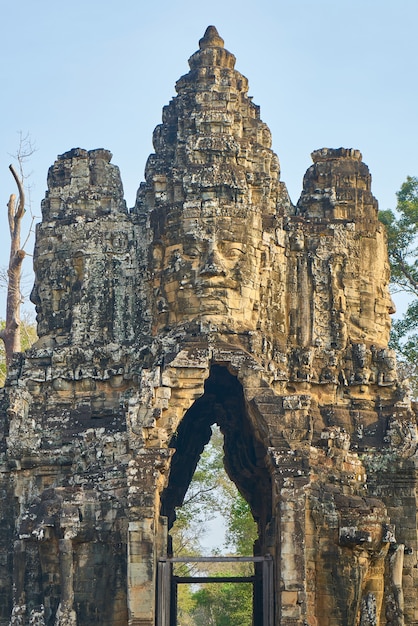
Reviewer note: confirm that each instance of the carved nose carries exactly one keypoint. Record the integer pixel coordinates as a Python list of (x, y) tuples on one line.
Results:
[(213, 266), (34, 296)]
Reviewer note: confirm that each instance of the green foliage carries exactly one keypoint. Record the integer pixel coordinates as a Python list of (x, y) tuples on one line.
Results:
[(211, 494), (241, 528), (223, 604), (402, 233), (185, 606)]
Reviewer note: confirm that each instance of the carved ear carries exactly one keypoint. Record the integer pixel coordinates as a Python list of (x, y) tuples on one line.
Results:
[(157, 254)]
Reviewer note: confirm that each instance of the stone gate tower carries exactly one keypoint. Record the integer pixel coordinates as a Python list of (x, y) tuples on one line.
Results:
[(214, 300)]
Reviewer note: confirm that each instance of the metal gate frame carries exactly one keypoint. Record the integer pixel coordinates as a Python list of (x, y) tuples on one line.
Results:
[(167, 582)]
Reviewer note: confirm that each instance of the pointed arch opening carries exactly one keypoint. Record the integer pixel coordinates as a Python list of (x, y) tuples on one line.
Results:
[(223, 403)]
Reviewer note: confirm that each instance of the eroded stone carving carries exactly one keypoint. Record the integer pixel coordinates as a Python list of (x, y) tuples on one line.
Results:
[(213, 300)]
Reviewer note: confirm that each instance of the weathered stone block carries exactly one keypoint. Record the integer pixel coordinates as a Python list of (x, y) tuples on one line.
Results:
[(213, 300)]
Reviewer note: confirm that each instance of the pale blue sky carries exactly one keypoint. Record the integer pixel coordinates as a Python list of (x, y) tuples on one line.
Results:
[(94, 73)]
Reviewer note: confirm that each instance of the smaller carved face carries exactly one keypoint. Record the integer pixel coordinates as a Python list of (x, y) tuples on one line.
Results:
[(58, 280), (50, 295), (208, 268)]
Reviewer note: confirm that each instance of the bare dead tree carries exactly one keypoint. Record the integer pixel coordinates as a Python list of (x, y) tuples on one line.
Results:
[(15, 212)]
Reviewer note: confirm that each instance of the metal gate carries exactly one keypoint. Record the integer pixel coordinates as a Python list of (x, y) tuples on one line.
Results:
[(167, 584)]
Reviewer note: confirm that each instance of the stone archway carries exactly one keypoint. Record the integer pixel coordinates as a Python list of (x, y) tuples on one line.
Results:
[(213, 265), (223, 402)]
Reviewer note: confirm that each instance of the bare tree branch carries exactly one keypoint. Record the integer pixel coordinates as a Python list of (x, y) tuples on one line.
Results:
[(21, 206), (405, 271), (30, 231), (15, 212)]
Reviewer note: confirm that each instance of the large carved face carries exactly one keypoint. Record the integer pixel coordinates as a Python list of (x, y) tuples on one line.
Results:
[(208, 267)]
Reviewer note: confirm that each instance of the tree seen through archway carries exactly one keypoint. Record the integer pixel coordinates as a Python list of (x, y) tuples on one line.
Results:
[(237, 452), (212, 498)]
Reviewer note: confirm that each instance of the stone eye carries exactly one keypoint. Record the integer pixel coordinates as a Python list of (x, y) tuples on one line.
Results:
[(158, 253), (232, 251), (192, 251)]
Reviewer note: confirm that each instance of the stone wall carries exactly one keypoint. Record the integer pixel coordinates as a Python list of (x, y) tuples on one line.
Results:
[(214, 300)]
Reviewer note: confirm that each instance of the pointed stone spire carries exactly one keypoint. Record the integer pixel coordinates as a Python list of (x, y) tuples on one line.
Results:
[(211, 39), (211, 52), (212, 191)]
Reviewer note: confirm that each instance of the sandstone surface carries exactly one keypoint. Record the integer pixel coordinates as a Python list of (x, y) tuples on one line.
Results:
[(214, 300)]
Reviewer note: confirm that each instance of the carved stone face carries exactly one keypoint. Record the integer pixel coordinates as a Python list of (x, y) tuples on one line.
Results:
[(208, 267)]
